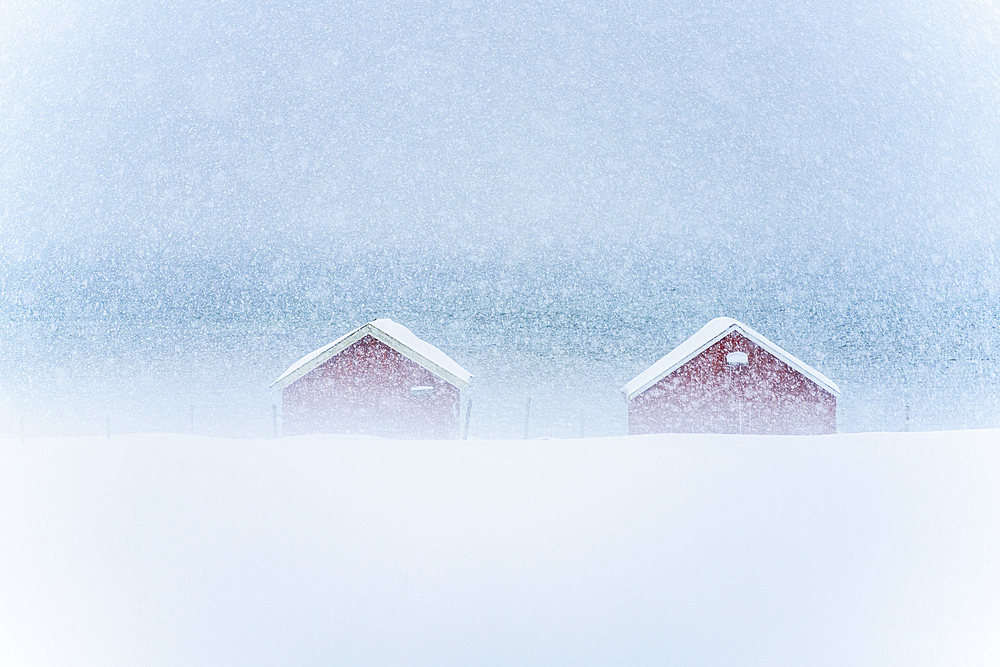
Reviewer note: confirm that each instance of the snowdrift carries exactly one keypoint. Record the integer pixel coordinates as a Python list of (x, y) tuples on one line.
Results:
[(691, 550)]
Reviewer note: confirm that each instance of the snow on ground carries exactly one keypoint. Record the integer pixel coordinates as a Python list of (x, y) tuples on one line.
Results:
[(857, 549)]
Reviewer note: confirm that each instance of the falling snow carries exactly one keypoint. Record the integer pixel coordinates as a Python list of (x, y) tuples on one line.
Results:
[(194, 195)]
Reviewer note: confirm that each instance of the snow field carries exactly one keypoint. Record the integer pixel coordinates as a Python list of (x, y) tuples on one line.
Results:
[(674, 549)]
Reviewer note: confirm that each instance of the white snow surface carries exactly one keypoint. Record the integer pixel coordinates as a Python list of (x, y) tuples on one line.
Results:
[(707, 336), (394, 335), (877, 548)]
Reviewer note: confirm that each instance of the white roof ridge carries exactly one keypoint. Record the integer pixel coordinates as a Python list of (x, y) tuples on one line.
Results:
[(397, 337), (707, 336)]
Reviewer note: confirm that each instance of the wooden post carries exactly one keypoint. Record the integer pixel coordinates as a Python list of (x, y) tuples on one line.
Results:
[(907, 426), (527, 416), (468, 414), (274, 419)]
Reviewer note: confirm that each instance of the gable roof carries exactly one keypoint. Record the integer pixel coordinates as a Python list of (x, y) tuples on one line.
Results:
[(709, 334), (394, 335)]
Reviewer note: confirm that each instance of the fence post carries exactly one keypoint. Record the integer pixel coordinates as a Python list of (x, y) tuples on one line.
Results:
[(468, 414)]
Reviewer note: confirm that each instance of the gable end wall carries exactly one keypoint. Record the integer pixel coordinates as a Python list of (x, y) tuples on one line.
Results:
[(366, 389), (706, 395)]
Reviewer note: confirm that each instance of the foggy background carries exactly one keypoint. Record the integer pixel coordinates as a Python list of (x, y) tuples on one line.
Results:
[(194, 195)]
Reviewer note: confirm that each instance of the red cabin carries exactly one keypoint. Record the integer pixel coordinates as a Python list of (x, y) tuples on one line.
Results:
[(380, 379), (727, 378)]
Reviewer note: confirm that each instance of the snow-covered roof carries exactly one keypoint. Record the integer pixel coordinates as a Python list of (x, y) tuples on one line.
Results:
[(394, 335), (709, 334)]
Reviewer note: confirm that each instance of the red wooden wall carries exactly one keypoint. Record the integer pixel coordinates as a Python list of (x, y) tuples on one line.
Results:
[(366, 389), (706, 395)]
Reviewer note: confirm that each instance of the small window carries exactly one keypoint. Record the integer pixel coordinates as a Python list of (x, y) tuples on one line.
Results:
[(737, 359), (421, 391)]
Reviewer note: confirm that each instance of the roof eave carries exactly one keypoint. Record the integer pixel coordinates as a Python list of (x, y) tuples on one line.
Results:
[(802, 367), (711, 341), (333, 349), (418, 358), (815, 376), (287, 378)]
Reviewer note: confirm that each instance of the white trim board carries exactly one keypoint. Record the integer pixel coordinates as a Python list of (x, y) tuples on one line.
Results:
[(707, 336), (396, 336)]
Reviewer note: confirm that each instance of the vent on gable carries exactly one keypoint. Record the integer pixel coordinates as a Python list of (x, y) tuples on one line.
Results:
[(737, 359)]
